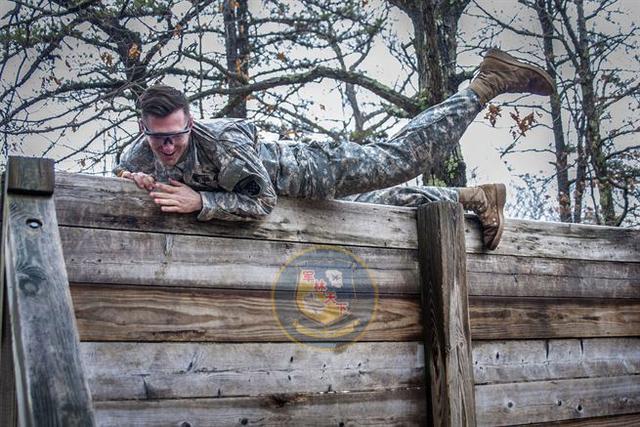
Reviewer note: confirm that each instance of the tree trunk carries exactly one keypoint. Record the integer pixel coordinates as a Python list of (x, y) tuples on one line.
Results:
[(435, 23), (593, 142), (237, 50), (544, 9)]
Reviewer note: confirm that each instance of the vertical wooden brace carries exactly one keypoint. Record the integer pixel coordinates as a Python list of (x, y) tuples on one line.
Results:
[(50, 385), (448, 358)]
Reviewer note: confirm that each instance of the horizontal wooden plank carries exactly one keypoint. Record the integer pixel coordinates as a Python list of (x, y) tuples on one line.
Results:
[(133, 313), (123, 370), (497, 275), (115, 203), (124, 257), (632, 420), (543, 401), (494, 318), (184, 314), (559, 240), (384, 408), (537, 360), (118, 203)]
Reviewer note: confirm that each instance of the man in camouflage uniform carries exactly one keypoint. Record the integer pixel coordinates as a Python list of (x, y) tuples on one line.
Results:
[(221, 169)]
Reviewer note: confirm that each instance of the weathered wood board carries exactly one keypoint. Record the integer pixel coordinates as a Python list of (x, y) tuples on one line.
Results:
[(524, 318), (446, 314), (125, 257), (50, 386), (127, 313), (386, 408), (543, 401), (115, 203), (138, 313), (539, 360), (122, 370)]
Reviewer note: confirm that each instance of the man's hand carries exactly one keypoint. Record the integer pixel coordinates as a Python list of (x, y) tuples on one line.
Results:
[(142, 180), (177, 197)]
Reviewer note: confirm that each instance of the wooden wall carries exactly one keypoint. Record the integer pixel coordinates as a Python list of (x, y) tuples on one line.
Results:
[(176, 321), (177, 328), (555, 319)]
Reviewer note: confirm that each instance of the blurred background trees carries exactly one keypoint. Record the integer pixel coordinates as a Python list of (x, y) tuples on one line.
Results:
[(348, 69)]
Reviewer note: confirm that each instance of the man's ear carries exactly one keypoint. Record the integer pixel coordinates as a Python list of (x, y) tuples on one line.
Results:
[(190, 121)]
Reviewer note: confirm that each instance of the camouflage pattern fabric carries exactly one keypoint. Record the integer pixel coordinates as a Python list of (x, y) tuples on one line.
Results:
[(239, 176)]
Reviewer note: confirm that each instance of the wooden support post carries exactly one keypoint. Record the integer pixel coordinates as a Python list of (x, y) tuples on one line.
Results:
[(448, 359), (50, 386)]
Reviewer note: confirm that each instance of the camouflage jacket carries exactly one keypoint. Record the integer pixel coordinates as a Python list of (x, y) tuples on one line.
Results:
[(221, 163)]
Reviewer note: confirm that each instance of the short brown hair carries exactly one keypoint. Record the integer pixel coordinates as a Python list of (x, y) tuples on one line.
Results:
[(162, 100)]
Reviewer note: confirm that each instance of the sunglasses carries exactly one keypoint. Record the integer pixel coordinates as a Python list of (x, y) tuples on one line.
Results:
[(163, 137)]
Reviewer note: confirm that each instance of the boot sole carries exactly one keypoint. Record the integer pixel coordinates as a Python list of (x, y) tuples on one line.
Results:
[(501, 200), (508, 59)]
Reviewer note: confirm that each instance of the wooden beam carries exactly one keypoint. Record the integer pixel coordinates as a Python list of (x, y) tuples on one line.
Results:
[(445, 312), (542, 360), (50, 385), (134, 258), (8, 413), (30, 175), (116, 203), (145, 313), (397, 408), (147, 370), (499, 318), (547, 401), (8, 410)]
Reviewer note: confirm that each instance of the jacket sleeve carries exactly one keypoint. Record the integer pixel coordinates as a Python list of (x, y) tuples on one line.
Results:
[(248, 193), (137, 158)]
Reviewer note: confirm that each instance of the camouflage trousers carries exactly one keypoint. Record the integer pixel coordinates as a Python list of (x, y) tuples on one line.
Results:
[(370, 173)]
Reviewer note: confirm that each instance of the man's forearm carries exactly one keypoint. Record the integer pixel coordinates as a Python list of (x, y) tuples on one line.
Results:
[(231, 206)]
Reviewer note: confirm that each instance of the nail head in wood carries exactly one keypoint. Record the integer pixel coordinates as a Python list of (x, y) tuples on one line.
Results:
[(30, 175)]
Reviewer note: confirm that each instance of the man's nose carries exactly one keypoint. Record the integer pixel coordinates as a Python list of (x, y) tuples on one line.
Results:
[(167, 140)]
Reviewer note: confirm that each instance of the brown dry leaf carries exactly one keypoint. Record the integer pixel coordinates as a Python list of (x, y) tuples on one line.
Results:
[(493, 113), (177, 31), (282, 57), (107, 58), (524, 124), (134, 51)]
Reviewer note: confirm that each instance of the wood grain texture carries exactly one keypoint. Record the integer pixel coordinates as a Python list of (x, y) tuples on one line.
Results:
[(50, 385), (539, 360), (497, 275), (30, 175), (124, 257), (116, 203), (632, 420), (544, 401), (559, 240), (526, 318), (388, 408), (446, 317), (123, 370), (8, 410), (133, 313)]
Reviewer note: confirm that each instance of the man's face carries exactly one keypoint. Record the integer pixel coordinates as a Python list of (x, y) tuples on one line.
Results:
[(168, 136)]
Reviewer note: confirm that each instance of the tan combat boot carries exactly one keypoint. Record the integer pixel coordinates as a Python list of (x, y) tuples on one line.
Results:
[(487, 201), (502, 73)]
